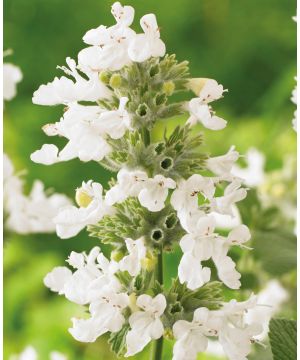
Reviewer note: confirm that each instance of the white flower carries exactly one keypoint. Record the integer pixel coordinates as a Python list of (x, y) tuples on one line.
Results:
[(94, 274), (80, 126), (12, 75), (110, 45), (115, 122), (191, 272), (106, 315), (222, 165), (203, 113), (192, 336), (145, 325), (237, 342), (130, 183), (224, 264), (33, 213), (64, 91), (155, 192), (185, 197), (196, 246), (211, 91), (269, 302), (232, 194), (254, 174), (200, 244), (236, 335), (137, 252), (71, 220), (149, 44)]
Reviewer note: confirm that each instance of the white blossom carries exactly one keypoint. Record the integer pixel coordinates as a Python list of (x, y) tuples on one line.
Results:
[(109, 48), (92, 207), (149, 44), (211, 91), (106, 315), (33, 213), (191, 337), (80, 126), (201, 112), (93, 275), (228, 324), (129, 183), (222, 165), (146, 324), (269, 302), (155, 192), (236, 335), (253, 175), (185, 197), (12, 75), (65, 91), (115, 122), (224, 264), (232, 194), (137, 252)]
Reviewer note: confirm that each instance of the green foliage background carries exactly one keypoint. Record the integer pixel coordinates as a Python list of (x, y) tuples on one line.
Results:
[(247, 45)]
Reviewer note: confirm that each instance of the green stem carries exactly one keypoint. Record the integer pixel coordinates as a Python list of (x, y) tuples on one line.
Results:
[(157, 349), (146, 136)]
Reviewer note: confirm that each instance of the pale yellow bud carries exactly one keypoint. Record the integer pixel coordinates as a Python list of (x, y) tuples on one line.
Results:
[(168, 88), (117, 255), (132, 303), (83, 199), (104, 76), (149, 262), (115, 81), (196, 85)]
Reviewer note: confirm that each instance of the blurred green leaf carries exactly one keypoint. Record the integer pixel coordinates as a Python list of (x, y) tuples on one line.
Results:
[(283, 339), (276, 249)]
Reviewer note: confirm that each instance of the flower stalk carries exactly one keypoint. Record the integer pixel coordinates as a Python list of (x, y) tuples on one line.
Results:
[(167, 196)]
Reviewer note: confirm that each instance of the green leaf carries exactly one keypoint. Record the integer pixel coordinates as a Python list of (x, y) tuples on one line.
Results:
[(118, 340), (276, 249), (283, 339)]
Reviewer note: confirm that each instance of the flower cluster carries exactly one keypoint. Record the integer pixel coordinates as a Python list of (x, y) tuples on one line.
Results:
[(31, 213), (166, 193)]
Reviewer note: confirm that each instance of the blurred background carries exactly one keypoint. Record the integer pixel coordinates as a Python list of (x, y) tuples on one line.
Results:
[(249, 46)]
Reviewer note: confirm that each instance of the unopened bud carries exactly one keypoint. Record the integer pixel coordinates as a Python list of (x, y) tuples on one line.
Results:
[(132, 303), (104, 76), (83, 199), (196, 85), (168, 88), (149, 262), (115, 81), (117, 255)]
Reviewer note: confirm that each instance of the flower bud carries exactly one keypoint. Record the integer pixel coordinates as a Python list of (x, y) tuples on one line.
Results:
[(83, 199), (168, 88), (115, 81), (104, 76), (116, 255), (132, 303), (149, 262), (196, 85)]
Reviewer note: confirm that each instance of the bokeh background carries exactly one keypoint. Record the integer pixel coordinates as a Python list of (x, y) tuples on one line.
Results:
[(247, 45)]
